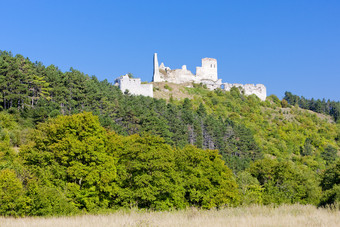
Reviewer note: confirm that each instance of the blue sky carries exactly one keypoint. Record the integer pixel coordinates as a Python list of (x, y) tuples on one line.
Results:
[(287, 45)]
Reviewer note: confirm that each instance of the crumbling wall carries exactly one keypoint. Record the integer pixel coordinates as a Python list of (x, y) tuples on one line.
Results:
[(134, 86), (249, 89), (207, 72)]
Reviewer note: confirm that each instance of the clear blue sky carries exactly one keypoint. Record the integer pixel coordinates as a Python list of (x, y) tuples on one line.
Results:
[(288, 45)]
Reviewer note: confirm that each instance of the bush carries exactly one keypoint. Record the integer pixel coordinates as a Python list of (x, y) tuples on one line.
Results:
[(167, 87)]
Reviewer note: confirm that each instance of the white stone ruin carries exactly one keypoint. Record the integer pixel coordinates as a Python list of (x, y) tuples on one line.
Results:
[(205, 74), (134, 86)]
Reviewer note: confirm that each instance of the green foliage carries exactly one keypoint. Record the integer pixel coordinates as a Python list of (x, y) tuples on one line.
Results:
[(307, 148), (284, 103), (275, 100), (330, 107), (13, 201), (12, 130), (331, 185), (146, 173), (250, 189), (331, 197), (207, 182), (152, 175), (166, 86), (48, 200), (331, 177), (286, 182), (21, 83), (70, 153), (329, 154)]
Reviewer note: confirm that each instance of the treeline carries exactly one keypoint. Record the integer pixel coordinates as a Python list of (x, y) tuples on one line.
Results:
[(320, 106)]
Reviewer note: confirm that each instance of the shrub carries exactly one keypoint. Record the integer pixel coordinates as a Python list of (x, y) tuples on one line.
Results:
[(167, 87)]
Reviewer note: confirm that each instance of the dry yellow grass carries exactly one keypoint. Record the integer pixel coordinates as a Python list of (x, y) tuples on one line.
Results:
[(287, 215)]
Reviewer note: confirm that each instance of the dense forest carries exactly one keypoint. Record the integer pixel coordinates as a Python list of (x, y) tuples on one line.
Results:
[(70, 144)]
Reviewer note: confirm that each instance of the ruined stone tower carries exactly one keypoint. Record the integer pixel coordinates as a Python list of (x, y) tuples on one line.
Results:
[(208, 70), (156, 76)]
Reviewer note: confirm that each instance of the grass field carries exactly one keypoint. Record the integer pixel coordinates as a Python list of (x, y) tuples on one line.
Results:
[(287, 215)]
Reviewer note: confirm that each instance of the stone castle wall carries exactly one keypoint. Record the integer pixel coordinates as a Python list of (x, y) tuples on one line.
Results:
[(249, 89), (205, 74), (134, 86)]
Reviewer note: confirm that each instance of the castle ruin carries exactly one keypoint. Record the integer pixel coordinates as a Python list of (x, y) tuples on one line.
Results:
[(205, 74)]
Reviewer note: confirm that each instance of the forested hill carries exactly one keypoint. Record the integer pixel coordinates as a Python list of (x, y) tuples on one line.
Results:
[(279, 153)]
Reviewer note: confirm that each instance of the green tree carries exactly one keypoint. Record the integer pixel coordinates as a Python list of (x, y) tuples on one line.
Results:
[(70, 153), (146, 173), (207, 181)]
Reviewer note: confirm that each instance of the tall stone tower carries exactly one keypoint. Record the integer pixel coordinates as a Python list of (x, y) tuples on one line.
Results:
[(156, 76)]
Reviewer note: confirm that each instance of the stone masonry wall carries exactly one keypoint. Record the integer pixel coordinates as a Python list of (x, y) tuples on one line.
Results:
[(205, 74), (259, 89), (134, 86)]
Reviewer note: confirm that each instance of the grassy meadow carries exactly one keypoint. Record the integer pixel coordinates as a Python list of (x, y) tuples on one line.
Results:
[(285, 215)]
